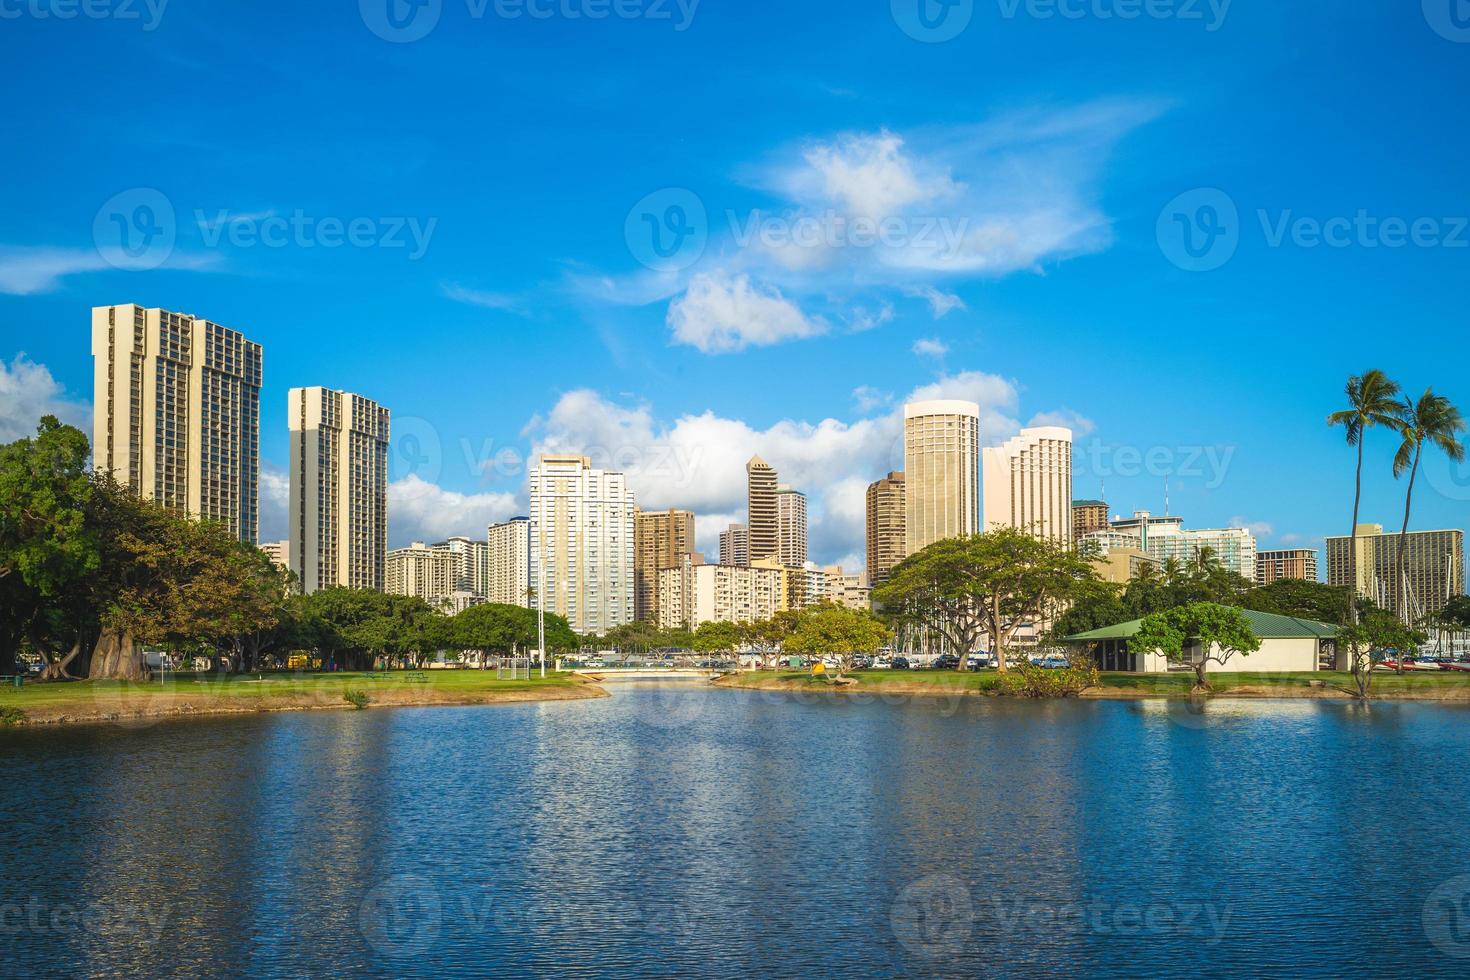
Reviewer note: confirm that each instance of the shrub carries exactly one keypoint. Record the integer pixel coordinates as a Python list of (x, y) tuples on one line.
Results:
[(1029, 681), (11, 716), (358, 699)]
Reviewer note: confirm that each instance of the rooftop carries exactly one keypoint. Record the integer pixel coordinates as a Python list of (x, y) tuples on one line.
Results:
[(1266, 626)]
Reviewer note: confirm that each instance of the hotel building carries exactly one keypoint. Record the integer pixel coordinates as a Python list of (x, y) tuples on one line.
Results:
[(582, 543), (886, 520), (1296, 563), (696, 593), (339, 489), (762, 514), (1434, 569), (422, 571), (1028, 484), (509, 579), (941, 450), (790, 526), (661, 540), (735, 545), (176, 413)]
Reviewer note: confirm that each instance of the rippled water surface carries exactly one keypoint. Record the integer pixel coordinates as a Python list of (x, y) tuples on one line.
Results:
[(689, 832)]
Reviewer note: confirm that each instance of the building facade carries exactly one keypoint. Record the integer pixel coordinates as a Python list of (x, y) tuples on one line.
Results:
[(1165, 538), (278, 552), (848, 589), (1028, 484), (1088, 516), (509, 580), (339, 489), (661, 540), (790, 526), (1295, 563), (471, 565), (582, 543), (176, 413), (886, 521), (1434, 569), (941, 449), (696, 593), (422, 571), (762, 514), (735, 545)]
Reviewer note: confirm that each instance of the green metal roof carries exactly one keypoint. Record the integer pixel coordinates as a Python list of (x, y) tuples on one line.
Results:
[(1089, 503), (1266, 626)]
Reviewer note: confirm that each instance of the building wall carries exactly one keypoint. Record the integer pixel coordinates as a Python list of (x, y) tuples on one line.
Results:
[(1297, 563), (510, 563), (661, 539), (471, 566), (582, 543), (338, 510), (941, 445), (422, 571), (1434, 568), (762, 515), (735, 545), (790, 526), (1088, 516), (886, 523), (1028, 484), (176, 413), (696, 593)]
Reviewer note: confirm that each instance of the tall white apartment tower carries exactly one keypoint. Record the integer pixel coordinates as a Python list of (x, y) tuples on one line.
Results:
[(582, 543), (510, 562), (790, 527), (176, 413), (1028, 484), (941, 452), (339, 489)]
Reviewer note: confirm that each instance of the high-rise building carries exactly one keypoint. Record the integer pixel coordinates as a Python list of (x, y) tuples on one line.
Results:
[(941, 450), (1434, 569), (510, 563), (339, 489), (762, 516), (735, 545), (661, 539), (277, 552), (790, 526), (176, 413), (1163, 538), (1297, 563), (422, 571), (582, 543), (848, 589), (471, 565), (885, 526), (1088, 516), (695, 593), (1028, 484)]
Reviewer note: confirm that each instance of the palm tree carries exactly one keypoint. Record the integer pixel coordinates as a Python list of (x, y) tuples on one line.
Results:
[(1372, 401), (1432, 420)]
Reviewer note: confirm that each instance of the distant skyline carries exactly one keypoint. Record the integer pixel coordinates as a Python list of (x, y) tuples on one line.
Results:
[(742, 231)]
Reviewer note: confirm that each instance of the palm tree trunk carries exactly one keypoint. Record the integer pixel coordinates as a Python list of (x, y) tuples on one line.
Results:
[(1352, 589), (1399, 598)]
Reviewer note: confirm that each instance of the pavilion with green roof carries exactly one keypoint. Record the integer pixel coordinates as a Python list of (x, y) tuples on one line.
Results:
[(1288, 644)]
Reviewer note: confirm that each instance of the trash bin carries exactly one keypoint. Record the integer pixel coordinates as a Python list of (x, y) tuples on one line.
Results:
[(18, 680)]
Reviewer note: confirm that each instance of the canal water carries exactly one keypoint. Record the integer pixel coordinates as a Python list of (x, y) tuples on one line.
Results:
[(679, 831)]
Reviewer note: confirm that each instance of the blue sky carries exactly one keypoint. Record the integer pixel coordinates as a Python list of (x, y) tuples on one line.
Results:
[(1034, 178)]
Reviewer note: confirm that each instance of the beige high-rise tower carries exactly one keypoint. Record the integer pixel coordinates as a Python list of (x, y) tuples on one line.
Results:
[(661, 540), (176, 413), (763, 518), (886, 522), (1434, 569), (339, 489), (582, 543), (1028, 484), (941, 451), (790, 526)]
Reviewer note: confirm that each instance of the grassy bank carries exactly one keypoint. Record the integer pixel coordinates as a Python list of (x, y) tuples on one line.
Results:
[(1426, 686), (185, 694)]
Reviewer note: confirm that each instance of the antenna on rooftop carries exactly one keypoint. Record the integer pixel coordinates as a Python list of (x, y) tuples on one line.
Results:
[(1166, 496)]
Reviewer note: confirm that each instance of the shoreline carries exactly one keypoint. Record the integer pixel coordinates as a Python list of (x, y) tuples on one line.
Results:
[(131, 705)]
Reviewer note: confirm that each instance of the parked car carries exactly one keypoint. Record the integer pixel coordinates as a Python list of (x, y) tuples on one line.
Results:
[(1055, 663), (980, 661), (900, 663), (946, 662)]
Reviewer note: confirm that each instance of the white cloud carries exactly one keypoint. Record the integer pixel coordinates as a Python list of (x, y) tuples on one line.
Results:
[(721, 313), (697, 462), (1260, 529), (866, 398), (482, 298), (275, 504), (941, 304), (1080, 424), (863, 319), (930, 347), (27, 271), (422, 511), (27, 392), (870, 175)]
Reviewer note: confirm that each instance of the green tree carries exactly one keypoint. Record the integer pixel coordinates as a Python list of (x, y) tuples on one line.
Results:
[(717, 637), (1199, 634), (1456, 613), (1431, 421), (1305, 600), (1370, 641), (1372, 403), (985, 584), (838, 633)]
